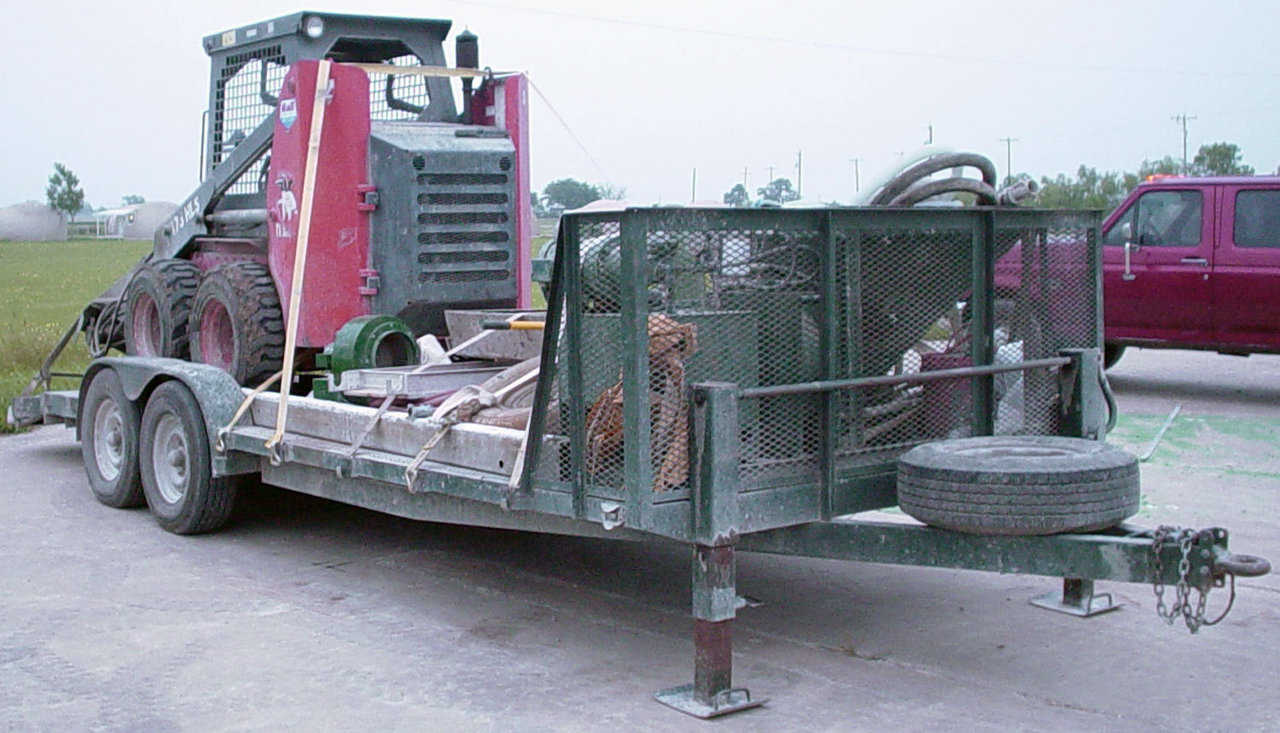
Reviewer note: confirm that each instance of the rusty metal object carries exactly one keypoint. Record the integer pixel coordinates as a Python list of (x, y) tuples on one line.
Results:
[(670, 343)]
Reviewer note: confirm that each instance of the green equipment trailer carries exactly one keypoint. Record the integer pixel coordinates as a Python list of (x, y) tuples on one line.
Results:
[(732, 380)]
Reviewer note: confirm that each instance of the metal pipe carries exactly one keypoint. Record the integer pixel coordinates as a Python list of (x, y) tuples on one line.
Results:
[(917, 378), (238, 217)]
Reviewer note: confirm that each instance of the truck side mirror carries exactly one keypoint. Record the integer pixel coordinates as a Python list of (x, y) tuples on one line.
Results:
[(1126, 231)]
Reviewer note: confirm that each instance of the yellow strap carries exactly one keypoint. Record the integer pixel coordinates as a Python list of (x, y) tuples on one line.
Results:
[(244, 406), (300, 251), (423, 71)]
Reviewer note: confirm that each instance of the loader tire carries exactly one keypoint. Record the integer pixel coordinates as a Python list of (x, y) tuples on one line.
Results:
[(109, 442), (1018, 485), (158, 308), (237, 324)]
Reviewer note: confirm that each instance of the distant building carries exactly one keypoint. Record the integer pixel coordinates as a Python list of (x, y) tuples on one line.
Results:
[(31, 221), (135, 221)]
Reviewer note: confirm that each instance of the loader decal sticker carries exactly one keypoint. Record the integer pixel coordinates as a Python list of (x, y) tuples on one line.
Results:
[(185, 214), (288, 112), (286, 207)]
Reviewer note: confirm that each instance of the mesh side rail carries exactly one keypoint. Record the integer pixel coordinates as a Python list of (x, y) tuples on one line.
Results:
[(648, 302)]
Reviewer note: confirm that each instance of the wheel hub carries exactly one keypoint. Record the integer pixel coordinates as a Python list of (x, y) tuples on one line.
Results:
[(108, 439), (170, 456)]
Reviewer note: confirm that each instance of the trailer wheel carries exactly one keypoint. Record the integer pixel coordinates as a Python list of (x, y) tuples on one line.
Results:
[(1018, 485), (157, 308), (1111, 354), (237, 324), (177, 479), (109, 442)]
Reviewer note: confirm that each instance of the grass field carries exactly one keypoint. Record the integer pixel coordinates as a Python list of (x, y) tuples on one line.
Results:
[(43, 286)]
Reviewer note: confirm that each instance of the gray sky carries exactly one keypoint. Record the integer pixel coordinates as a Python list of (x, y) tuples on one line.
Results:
[(115, 90)]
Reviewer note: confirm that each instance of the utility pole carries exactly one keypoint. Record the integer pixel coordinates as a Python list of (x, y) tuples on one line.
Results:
[(857, 184), (1008, 157), (799, 171), (1183, 119), (693, 190), (744, 178), (930, 140), (770, 176)]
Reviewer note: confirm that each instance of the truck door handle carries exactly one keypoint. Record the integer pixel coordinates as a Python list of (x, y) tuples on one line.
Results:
[(1195, 261)]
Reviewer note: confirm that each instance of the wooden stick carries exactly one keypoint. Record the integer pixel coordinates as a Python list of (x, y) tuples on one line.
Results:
[(300, 250)]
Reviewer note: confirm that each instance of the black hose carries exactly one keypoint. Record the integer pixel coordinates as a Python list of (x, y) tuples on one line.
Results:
[(930, 166), (914, 195)]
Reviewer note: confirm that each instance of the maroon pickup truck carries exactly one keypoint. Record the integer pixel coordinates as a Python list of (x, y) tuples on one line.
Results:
[(1194, 263)]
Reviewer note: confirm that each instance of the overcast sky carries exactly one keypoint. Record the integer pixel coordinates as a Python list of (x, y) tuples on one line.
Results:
[(655, 89)]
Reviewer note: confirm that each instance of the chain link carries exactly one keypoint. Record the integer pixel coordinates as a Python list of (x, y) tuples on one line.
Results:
[(1192, 614)]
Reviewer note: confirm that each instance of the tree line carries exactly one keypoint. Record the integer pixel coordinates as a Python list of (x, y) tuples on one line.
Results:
[(1094, 189)]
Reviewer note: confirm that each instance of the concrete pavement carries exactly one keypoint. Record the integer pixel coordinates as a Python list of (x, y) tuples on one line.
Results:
[(315, 616)]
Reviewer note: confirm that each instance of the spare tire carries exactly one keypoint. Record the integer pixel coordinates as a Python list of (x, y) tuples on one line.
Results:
[(1018, 485)]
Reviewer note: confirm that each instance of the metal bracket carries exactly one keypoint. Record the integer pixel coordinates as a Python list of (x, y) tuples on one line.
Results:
[(368, 197), (1077, 599), (684, 699), (372, 282)]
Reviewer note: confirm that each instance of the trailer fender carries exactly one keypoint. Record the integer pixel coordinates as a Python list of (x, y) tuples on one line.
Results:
[(216, 392)]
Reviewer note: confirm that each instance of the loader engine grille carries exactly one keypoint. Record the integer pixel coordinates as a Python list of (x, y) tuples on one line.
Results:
[(464, 234), (444, 232)]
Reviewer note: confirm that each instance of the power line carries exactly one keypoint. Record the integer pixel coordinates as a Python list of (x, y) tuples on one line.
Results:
[(1020, 61), (565, 125), (1008, 156)]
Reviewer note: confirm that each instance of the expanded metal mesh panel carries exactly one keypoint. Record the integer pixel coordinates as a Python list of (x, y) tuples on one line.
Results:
[(239, 103), (761, 299), (408, 93), (1045, 301), (904, 311)]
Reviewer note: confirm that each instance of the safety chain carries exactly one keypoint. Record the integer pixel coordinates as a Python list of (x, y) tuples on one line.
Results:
[(1182, 606)]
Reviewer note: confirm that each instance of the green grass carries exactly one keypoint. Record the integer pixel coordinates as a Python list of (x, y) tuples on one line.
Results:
[(43, 287), (537, 300)]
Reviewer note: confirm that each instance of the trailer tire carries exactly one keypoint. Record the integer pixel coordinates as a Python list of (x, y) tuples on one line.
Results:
[(109, 442), (1018, 485), (157, 308), (177, 476), (237, 323)]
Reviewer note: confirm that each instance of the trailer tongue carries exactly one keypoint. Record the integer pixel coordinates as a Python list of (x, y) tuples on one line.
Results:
[(726, 379)]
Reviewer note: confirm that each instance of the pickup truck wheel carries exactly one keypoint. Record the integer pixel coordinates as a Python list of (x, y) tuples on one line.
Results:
[(1018, 485), (156, 307), (109, 442), (1111, 353), (177, 479)]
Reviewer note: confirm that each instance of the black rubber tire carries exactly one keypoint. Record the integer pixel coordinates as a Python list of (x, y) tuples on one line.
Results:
[(1111, 354), (105, 392), (204, 503), (249, 295), (1018, 485), (171, 284)]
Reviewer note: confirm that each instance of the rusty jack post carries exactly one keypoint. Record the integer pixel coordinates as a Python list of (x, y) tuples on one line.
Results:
[(712, 693), (717, 453)]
